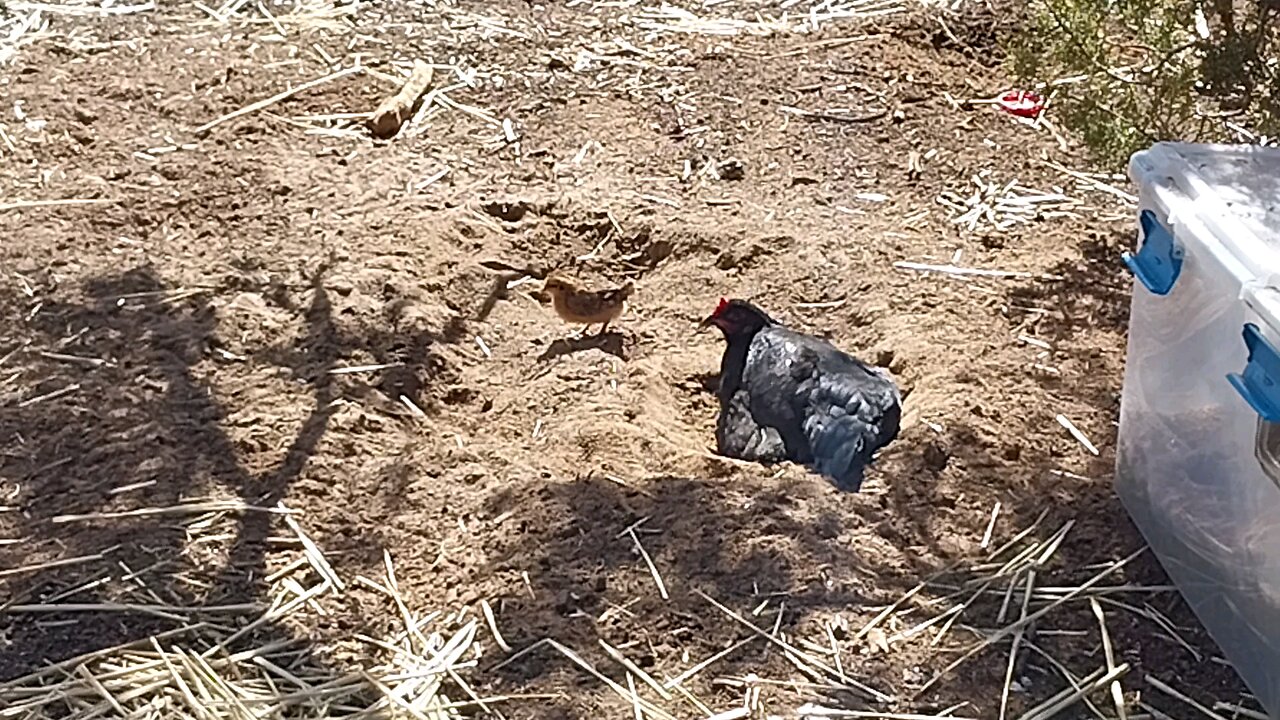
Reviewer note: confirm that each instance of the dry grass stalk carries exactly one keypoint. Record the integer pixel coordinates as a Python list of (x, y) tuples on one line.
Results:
[(1067, 675), (268, 102), (51, 564), (191, 508), (1022, 534), (1155, 616), (653, 570), (639, 672), (1240, 712), (30, 204), (1017, 645), (489, 618), (694, 701), (364, 368), (635, 697), (816, 711), (312, 551), (921, 627), (87, 10), (974, 272), (675, 683), (1160, 685), (622, 692), (1095, 681), (1076, 433), (192, 674), (1024, 622), (991, 526), (168, 612), (1001, 206), (1117, 692), (735, 714), (54, 395), (880, 616), (808, 659), (98, 687)]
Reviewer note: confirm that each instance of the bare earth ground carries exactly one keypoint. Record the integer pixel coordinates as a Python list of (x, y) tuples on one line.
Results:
[(179, 341)]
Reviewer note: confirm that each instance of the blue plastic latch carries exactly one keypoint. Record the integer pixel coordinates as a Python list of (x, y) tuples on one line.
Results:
[(1159, 261), (1259, 384)]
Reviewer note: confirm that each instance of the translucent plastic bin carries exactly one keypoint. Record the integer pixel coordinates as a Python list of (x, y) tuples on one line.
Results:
[(1198, 455)]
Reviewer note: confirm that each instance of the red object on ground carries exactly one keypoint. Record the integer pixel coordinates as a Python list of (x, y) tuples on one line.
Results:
[(1022, 103)]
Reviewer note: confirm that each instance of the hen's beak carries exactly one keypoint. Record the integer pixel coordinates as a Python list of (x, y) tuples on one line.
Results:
[(706, 323)]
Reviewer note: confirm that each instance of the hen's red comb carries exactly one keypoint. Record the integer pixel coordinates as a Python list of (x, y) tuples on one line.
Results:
[(720, 308)]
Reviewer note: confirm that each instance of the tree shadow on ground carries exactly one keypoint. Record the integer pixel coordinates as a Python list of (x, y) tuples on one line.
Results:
[(1085, 320), (613, 343), (113, 409), (1093, 293), (590, 582)]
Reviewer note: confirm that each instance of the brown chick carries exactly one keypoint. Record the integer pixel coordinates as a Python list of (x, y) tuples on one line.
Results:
[(575, 303)]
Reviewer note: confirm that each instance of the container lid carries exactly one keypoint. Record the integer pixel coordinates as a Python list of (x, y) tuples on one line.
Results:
[(1233, 192)]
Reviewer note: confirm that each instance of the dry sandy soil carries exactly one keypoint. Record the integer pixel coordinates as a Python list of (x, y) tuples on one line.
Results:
[(180, 339)]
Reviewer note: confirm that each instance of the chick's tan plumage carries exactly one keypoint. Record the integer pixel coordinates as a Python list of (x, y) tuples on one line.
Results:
[(575, 303)]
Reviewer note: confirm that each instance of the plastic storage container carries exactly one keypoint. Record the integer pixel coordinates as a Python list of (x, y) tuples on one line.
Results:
[(1198, 455)]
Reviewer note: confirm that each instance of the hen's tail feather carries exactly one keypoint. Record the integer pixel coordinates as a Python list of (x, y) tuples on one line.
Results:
[(839, 449)]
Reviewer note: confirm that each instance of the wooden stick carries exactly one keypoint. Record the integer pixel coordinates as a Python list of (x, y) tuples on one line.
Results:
[(268, 102), (394, 111)]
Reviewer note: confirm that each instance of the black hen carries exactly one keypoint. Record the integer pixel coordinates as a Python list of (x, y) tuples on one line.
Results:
[(785, 395)]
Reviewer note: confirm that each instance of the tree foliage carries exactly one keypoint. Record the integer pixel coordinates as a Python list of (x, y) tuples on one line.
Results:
[(1125, 73)]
